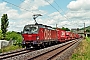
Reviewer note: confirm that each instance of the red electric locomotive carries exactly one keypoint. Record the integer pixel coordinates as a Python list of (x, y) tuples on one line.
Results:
[(38, 35)]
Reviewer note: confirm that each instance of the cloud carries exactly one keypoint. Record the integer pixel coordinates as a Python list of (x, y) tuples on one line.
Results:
[(4, 8), (79, 5), (12, 13), (18, 19), (77, 14), (34, 4)]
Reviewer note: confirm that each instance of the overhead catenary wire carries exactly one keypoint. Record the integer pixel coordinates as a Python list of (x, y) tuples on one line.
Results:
[(56, 9), (21, 0), (18, 6), (59, 7), (28, 5), (37, 10), (31, 11)]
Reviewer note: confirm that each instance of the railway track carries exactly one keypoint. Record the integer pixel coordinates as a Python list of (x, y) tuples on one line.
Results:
[(42, 54), (53, 53), (13, 53)]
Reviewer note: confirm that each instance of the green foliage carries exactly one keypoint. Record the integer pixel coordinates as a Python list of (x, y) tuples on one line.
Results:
[(0, 34), (4, 24), (63, 28), (87, 30), (66, 29), (9, 48), (14, 36), (83, 51), (88, 39)]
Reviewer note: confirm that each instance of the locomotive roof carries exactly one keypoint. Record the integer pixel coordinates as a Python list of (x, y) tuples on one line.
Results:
[(40, 25)]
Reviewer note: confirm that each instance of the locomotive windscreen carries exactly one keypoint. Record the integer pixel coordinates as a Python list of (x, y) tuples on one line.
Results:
[(30, 29)]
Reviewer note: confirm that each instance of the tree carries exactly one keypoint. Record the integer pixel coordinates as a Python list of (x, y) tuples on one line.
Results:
[(63, 28), (4, 25), (66, 29), (87, 30)]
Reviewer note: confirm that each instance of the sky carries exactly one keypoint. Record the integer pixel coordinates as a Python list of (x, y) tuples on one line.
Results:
[(71, 14)]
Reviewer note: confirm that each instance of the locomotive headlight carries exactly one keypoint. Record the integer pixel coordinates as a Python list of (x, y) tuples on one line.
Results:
[(37, 37)]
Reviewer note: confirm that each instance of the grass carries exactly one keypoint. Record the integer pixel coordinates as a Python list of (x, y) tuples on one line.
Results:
[(9, 48), (83, 51)]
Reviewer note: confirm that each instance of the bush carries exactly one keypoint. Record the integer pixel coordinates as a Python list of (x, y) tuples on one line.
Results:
[(14, 36), (11, 35)]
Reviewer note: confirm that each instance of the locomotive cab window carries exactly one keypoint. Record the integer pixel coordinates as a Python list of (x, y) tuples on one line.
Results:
[(30, 29)]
